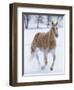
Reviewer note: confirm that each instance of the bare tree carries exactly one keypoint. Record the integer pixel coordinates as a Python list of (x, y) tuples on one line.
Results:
[(48, 20), (27, 18), (39, 20)]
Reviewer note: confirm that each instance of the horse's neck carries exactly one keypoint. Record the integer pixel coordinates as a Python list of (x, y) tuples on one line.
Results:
[(51, 35), (51, 39)]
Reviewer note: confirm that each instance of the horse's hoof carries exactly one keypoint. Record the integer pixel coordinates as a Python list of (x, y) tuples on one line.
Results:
[(51, 69)]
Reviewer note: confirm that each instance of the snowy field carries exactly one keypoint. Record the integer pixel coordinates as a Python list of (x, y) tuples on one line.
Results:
[(32, 67)]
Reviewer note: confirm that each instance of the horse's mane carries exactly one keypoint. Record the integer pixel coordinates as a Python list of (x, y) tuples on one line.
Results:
[(51, 34), (51, 37)]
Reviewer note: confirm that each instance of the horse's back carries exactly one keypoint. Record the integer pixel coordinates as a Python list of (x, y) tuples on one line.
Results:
[(41, 40)]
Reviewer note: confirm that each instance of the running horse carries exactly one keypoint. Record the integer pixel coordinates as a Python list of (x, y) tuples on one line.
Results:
[(46, 42)]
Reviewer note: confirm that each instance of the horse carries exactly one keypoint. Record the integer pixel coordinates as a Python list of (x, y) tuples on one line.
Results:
[(46, 42)]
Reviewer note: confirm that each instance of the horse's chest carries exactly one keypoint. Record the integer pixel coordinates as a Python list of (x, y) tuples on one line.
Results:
[(52, 44)]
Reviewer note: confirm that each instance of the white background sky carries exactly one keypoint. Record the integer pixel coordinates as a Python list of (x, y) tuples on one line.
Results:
[(4, 46)]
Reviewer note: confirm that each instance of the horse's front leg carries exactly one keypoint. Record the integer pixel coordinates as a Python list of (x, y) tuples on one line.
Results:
[(45, 60), (54, 57)]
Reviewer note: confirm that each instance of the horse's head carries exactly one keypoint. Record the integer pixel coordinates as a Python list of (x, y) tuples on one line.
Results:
[(55, 28)]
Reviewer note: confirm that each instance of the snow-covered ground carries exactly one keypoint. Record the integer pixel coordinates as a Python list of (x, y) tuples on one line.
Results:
[(32, 67)]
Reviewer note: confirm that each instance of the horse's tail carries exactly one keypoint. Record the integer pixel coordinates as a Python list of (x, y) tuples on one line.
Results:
[(33, 46), (32, 49)]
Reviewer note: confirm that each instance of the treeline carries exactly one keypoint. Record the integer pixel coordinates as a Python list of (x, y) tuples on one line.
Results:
[(39, 21)]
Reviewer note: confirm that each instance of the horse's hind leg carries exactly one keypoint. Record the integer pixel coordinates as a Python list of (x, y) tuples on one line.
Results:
[(53, 53), (33, 50), (37, 58)]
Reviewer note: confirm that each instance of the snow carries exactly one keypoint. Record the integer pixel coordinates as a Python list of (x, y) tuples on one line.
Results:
[(32, 67)]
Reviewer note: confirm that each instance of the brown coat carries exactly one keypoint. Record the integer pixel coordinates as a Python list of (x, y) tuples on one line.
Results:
[(44, 40)]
